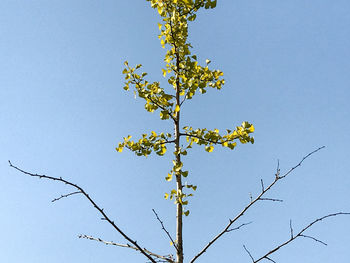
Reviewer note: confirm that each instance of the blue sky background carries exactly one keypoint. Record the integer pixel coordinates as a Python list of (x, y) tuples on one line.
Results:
[(63, 111)]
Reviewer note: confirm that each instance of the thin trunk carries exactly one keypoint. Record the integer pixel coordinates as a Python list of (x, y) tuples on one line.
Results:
[(179, 209)]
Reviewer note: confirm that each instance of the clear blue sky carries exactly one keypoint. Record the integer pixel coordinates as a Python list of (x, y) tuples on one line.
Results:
[(63, 111)]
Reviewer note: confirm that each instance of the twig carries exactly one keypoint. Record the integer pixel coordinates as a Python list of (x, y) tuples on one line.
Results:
[(63, 196), (270, 259), (250, 255), (59, 179), (259, 197), (236, 228), (167, 258), (315, 239), (166, 231), (271, 199), (302, 160), (291, 228)]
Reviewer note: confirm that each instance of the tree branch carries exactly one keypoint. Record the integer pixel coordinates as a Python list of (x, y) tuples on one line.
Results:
[(252, 202), (104, 216), (67, 195), (300, 234), (204, 139), (271, 199), (166, 231), (167, 258), (248, 252), (238, 227)]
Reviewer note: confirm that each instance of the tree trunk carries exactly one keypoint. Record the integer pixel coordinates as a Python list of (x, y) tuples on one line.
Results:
[(179, 209)]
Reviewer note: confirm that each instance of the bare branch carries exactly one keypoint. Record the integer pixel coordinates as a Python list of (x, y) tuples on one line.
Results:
[(166, 231), (271, 199), (302, 160), (63, 196), (167, 258), (238, 227), (270, 259), (250, 255), (291, 228), (104, 215), (252, 202), (315, 239), (300, 234)]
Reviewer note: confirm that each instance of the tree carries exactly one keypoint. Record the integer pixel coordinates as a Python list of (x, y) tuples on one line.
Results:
[(187, 78)]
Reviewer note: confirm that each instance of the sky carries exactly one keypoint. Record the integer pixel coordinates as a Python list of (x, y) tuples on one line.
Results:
[(63, 112)]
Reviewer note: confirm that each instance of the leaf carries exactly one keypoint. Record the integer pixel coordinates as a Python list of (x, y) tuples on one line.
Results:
[(169, 177), (207, 61), (209, 149), (186, 213), (119, 149), (164, 72), (177, 108)]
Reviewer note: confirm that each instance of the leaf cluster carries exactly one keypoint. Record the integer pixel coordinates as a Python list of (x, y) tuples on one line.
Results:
[(147, 144), (208, 138)]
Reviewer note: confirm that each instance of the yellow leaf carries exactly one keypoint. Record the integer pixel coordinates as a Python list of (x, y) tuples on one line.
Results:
[(209, 149), (119, 149), (169, 177), (177, 108), (163, 151)]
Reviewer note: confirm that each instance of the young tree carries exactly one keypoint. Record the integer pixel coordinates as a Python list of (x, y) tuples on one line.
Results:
[(186, 78)]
